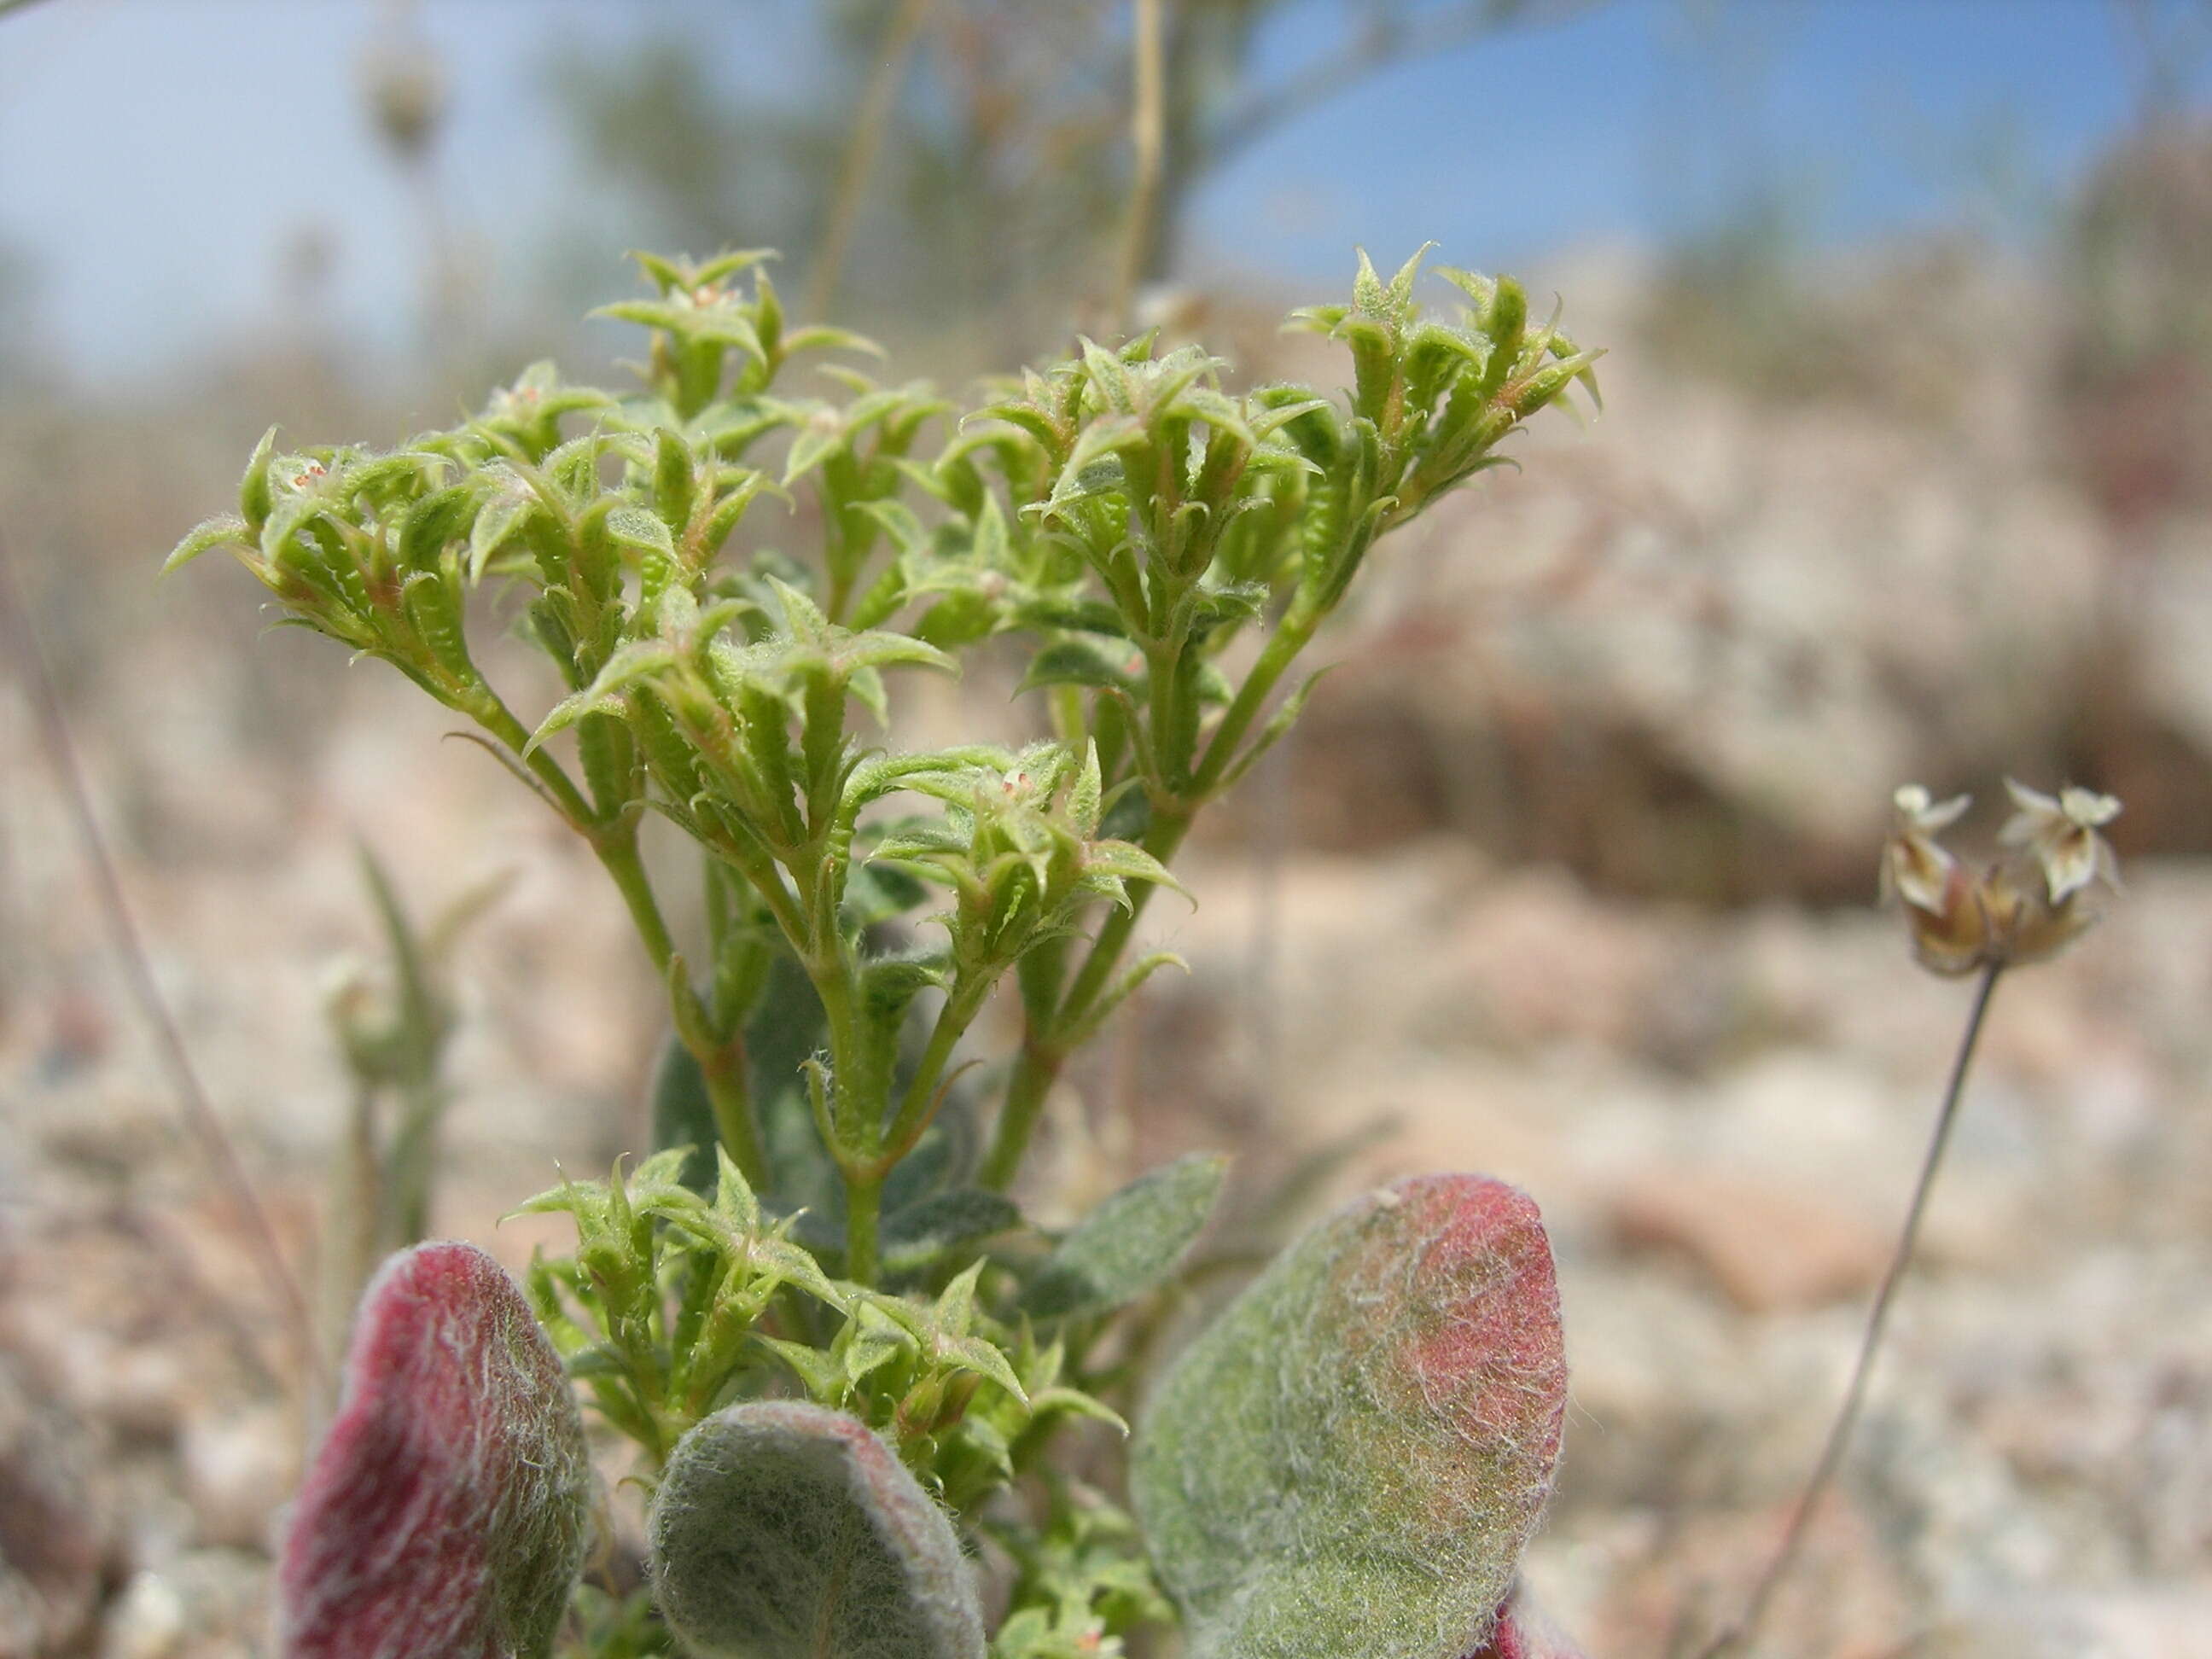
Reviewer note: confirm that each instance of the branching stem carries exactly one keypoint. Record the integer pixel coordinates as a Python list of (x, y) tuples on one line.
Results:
[(1045, 1045), (614, 845)]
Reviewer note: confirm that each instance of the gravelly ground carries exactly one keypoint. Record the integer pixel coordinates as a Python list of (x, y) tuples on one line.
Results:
[(1720, 1115)]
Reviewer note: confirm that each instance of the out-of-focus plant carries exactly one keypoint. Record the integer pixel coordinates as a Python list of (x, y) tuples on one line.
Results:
[(843, 1356), (393, 1020), (1002, 172)]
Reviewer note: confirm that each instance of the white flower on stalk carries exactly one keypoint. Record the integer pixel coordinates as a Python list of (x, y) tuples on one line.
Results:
[(1915, 867), (2061, 836)]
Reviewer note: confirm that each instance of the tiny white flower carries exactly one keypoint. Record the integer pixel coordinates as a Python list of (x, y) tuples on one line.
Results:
[(1921, 811), (1914, 868), (2061, 836)]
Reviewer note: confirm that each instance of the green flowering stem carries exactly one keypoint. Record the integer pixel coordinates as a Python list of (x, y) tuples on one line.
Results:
[(483, 705), (833, 983), (721, 1065), (867, 1149), (1052, 1035), (927, 1090), (616, 851), (1291, 636), (1035, 1073), (1054, 1031), (731, 1096), (614, 843)]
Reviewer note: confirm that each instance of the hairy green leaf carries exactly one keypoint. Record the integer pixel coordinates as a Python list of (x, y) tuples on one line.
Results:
[(1351, 1457), (785, 1530), (1131, 1243)]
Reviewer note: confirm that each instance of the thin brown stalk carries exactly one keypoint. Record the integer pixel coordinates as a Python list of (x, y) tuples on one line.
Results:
[(201, 1119), (1148, 135), (859, 162), (1741, 1634)]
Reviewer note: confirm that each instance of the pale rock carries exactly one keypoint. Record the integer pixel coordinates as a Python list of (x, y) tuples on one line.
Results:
[(239, 1468), (1769, 1246), (148, 1622)]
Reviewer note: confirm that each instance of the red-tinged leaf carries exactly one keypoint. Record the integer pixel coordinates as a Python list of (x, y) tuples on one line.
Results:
[(446, 1511), (1524, 1632), (1350, 1460)]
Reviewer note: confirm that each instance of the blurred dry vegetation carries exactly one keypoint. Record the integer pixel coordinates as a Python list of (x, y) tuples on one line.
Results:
[(1565, 874)]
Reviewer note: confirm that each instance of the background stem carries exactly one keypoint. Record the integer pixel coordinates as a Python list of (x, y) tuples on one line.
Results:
[(1840, 1434), (1147, 131), (859, 158), (201, 1119)]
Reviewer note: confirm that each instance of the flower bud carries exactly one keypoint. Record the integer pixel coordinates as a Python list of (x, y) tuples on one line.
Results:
[(406, 96)]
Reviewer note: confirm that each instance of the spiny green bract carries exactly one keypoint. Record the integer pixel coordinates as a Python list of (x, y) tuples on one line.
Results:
[(1351, 1459), (784, 1530)]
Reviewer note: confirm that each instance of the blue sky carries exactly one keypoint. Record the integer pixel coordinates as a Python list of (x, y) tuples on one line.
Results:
[(157, 157)]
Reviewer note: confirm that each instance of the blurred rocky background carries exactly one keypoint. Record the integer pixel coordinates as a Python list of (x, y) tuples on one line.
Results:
[(1906, 473)]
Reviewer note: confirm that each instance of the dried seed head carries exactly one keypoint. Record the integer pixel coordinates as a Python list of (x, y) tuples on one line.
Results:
[(406, 94)]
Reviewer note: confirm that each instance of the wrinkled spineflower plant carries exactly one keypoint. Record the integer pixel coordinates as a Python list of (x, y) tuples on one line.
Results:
[(872, 1408)]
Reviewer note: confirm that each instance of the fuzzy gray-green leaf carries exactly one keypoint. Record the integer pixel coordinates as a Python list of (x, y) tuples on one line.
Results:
[(785, 1530), (1351, 1459), (1131, 1243)]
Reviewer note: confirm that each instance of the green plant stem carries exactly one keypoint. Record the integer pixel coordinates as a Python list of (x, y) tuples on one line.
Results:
[(1839, 1433), (1045, 1044), (919, 1104), (614, 845), (729, 1092), (864, 1204), (1163, 840), (856, 1130), (411, 1168), (618, 856), (492, 714), (1037, 1068), (1292, 634)]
